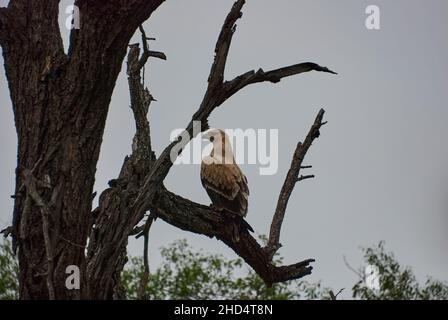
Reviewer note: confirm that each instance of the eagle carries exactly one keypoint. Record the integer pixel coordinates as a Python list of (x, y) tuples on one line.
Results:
[(223, 180)]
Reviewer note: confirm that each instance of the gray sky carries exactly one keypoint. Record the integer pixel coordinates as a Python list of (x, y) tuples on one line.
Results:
[(380, 163)]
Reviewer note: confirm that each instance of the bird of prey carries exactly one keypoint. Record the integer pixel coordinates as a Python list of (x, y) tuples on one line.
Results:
[(223, 180)]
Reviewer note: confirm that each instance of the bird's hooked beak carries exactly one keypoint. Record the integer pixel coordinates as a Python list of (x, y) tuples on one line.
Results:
[(205, 136)]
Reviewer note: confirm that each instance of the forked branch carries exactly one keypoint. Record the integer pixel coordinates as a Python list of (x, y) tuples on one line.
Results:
[(146, 52)]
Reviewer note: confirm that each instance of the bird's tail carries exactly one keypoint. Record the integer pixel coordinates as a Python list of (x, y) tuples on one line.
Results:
[(245, 225), (239, 225)]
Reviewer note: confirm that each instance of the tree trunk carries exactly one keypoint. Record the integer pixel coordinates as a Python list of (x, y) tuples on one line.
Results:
[(60, 104)]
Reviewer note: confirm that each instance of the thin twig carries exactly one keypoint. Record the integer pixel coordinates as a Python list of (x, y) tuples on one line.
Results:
[(66, 240), (309, 176), (359, 274), (5, 23), (184, 214), (335, 296), (137, 230), (144, 280), (7, 231), (217, 93)]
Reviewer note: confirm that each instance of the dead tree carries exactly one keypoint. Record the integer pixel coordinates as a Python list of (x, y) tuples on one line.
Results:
[(60, 103)]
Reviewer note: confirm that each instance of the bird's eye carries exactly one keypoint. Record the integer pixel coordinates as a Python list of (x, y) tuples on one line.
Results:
[(212, 138)]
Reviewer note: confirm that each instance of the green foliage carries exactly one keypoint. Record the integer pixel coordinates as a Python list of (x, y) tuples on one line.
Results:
[(396, 282), (9, 272), (186, 273), (192, 274)]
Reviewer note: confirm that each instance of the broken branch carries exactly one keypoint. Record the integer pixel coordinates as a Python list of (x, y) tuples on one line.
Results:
[(146, 52), (274, 76), (223, 45)]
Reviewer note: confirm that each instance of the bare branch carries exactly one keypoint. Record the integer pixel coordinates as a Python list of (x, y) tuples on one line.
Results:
[(288, 186), (335, 296), (145, 277), (147, 226), (3, 21), (309, 176), (274, 76), (140, 102), (7, 231), (146, 52), (45, 211), (222, 47), (137, 231), (157, 54), (197, 218)]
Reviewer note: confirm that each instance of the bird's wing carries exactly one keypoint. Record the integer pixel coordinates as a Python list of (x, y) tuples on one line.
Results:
[(226, 181), (242, 181), (221, 179)]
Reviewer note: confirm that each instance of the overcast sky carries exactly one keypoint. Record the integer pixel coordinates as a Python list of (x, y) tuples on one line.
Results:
[(380, 163)]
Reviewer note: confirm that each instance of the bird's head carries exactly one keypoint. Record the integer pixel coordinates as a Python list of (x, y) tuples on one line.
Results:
[(215, 136), (221, 143)]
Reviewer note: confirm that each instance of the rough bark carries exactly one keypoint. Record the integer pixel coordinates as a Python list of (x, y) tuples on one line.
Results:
[(60, 102), (112, 220)]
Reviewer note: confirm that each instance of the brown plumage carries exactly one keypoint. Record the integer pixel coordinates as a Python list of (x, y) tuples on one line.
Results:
[(223, 180)]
